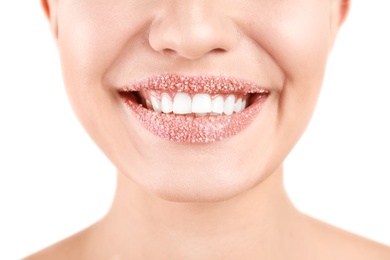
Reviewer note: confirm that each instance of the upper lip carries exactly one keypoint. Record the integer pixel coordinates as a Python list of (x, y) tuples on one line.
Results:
[(208, 84)]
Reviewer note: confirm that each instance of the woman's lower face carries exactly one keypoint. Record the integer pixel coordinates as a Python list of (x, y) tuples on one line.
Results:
[(194, 100)]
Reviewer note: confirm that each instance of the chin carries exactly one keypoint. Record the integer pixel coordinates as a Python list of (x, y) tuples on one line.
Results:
[(196, 187), (198, 194)]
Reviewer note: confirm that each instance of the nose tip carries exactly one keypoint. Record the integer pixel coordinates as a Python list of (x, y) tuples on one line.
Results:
[(192, 36)]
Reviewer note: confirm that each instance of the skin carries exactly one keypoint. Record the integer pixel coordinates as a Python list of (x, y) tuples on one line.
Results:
[(185, 201)]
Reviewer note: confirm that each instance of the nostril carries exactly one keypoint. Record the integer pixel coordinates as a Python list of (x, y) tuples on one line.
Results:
[(219, 50), (168, 52)]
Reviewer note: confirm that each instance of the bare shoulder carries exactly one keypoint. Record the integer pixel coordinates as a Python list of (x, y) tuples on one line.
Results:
[(69, 248), (335, 243)]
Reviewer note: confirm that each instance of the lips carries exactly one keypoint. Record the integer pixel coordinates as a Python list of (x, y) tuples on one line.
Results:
[(194, 109)]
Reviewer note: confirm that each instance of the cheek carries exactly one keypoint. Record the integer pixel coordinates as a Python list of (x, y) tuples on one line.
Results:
[(303, 56), (298, 39), (91, 37), (88, 47), (306, 54)]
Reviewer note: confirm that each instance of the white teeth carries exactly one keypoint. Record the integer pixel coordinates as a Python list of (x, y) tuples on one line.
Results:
[(237, 105), (201, 103), (217, 105), (182, 104), (156, 104), (197, 105), (229, 105), (166, 103)]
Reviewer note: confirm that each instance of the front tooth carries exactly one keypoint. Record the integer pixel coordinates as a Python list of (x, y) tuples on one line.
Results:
[(238, 105), (156, 104), (217, 105), (229, 105), (201, 103), (182, 104), (166, 103)]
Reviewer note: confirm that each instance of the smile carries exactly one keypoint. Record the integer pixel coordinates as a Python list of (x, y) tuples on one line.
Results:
[(201, 104), (198, 109)]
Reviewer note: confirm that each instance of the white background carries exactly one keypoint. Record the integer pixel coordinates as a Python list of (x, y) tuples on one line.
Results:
[(55, 182)]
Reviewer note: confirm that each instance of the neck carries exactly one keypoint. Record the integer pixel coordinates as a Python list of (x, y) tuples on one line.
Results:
[(256, 222)]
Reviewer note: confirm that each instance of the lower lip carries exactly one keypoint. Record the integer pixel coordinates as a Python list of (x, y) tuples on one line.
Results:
[(190, 129)]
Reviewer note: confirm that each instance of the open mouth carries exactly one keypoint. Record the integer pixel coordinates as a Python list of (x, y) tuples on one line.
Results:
[(198, 109), (196, 105)]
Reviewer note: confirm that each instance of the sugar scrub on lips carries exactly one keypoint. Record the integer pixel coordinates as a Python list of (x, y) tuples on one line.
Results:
[(194, 109)]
